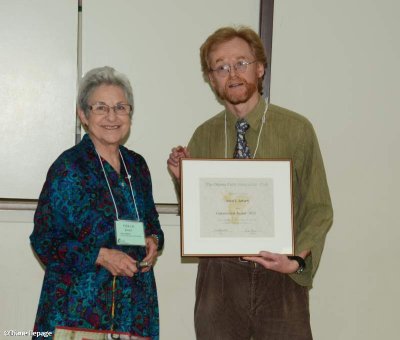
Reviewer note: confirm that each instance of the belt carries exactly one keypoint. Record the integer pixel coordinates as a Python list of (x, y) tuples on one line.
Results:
[(241, 260)]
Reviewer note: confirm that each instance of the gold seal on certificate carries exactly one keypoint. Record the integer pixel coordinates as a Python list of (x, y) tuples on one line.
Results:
[(236, 207)]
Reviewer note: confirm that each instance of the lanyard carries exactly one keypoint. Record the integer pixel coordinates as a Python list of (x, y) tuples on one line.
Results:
[(109, 187), (116, 213)]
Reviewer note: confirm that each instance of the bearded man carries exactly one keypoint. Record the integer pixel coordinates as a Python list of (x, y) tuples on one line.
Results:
[(263, 297)]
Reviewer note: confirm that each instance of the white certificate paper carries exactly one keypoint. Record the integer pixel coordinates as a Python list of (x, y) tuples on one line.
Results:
[(236, 207)]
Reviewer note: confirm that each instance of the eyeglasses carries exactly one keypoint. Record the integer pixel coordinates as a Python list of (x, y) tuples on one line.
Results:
[(104, 109), (224, 70)]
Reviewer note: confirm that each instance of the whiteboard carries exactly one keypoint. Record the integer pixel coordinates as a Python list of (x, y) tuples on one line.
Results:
[(37, 90), (156, 44)]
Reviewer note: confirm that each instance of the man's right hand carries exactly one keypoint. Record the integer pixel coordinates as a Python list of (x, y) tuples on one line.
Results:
[(173, 161)]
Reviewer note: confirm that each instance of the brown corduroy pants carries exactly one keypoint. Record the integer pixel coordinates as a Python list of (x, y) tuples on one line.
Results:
[(242, 301)]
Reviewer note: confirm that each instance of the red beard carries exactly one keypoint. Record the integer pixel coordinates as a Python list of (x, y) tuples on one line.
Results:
[(244, 91)]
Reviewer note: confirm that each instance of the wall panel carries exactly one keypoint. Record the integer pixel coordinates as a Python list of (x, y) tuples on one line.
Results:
[(338, 64), (37, 90)]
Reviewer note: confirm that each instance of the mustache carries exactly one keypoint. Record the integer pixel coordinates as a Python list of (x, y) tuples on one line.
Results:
[(236, 81)]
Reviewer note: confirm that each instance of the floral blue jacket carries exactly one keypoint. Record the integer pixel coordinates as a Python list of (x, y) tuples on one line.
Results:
[(74, 219)]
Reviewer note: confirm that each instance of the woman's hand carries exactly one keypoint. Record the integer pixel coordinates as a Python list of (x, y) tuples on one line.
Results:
[(117, 262), (151, 250)]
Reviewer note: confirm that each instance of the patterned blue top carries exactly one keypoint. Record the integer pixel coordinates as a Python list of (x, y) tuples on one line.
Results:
[(74, 219)]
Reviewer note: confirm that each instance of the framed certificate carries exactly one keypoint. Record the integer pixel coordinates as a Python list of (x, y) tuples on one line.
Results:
[(236, 207)]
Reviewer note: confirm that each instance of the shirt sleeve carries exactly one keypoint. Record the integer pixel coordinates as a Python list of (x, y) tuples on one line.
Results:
[(315, 213), (58, 240), (195, 146), (152, 224)]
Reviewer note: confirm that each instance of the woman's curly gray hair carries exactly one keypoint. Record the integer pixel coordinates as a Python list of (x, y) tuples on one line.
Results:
[(102, 76)]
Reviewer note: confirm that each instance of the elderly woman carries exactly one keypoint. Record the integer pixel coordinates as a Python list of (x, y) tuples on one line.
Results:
[(96, 228)]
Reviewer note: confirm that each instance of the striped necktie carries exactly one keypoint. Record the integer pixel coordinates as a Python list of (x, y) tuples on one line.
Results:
[(242, 150)]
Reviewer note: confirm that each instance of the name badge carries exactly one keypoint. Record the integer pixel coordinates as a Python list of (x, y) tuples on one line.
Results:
[(129, 233)]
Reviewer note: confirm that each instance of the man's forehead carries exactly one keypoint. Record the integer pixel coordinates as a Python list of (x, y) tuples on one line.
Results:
[(235, 48)]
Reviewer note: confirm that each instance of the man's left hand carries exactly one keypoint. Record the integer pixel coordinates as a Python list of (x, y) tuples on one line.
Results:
[(277, 262)]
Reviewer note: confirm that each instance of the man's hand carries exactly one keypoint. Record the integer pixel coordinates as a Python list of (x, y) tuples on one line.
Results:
[(277, 262), (174, 158)]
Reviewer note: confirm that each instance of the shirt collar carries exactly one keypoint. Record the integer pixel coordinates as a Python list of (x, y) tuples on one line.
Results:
[(253, 117)]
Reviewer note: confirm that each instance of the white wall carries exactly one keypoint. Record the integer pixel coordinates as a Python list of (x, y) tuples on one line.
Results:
[(176, 278), (21, 275), (337, 62), (156, 43), (37, 90)]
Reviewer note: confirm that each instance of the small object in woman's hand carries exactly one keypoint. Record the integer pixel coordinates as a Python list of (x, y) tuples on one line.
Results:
[(142, 264)]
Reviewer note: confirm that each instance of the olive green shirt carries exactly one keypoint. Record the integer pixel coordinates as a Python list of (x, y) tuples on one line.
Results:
[(284, 134)]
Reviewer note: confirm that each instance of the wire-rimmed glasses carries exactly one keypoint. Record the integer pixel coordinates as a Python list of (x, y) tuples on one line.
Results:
[(101, 109), (224, 70)]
